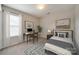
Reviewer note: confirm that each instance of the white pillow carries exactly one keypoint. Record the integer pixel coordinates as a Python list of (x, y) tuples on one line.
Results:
[(62, 34)]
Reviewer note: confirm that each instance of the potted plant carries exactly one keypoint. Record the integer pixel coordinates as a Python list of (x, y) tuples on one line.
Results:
[(39, 29)]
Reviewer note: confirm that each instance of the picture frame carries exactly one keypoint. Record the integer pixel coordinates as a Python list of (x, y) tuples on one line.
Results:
[(29, 24), (63, 23)]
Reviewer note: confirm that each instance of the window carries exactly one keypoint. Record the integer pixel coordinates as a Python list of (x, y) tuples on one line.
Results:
[(14, 24)]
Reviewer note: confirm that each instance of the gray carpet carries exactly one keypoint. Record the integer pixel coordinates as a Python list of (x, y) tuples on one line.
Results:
[(36, 49)]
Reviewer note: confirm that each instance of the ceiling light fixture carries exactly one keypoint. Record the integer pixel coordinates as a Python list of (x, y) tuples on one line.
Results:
[(41, 6)]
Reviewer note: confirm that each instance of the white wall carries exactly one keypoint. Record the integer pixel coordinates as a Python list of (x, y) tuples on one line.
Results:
[(34, 19), (77, 26), (48, 22), (0, 27)]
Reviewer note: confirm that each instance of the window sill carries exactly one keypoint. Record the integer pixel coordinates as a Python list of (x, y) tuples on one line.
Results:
[(13, 36)]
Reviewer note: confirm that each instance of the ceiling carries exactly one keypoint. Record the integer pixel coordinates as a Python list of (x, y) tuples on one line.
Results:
[(32, 9)]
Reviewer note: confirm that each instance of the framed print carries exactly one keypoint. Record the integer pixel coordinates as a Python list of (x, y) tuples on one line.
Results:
[(63, 23), (29, 24)]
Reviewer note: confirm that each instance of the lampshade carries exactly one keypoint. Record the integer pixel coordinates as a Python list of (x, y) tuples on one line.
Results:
[(49, 30)]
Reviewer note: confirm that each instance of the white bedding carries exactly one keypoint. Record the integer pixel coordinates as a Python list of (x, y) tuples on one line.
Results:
[(68, 40), (57, 49)]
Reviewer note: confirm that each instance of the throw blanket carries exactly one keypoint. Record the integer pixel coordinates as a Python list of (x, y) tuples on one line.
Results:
[(61, 44)]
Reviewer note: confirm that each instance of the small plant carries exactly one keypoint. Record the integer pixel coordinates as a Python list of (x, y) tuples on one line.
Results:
[(39, 28)]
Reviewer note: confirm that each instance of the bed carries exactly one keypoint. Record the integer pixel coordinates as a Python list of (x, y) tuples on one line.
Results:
[(61, 43)]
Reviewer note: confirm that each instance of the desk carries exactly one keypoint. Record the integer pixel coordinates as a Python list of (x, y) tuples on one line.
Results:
[(30, 34)]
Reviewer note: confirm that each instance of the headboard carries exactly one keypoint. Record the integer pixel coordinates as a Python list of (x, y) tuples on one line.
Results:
[(68, 33)]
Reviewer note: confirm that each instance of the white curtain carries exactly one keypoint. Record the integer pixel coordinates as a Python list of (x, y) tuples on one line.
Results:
[(8, 40), (6, 36)]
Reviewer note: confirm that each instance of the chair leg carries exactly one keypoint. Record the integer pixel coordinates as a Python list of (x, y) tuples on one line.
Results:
[(37, 39), (27, 39), (23, 37), (33, 40)]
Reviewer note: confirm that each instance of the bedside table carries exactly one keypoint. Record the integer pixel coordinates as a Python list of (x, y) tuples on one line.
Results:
[(49, 36)]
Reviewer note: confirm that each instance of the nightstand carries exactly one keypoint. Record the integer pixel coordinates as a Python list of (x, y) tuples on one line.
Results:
[(49, 36)]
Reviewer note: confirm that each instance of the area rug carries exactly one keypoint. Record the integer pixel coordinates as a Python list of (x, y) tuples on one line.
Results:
[(36, 49)]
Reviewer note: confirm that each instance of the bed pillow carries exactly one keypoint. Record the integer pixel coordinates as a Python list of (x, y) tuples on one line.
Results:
[(56, 34), (67, 35), (62, 35)]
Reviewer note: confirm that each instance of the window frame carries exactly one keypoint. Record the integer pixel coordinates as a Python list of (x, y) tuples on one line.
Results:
[(10, 13)]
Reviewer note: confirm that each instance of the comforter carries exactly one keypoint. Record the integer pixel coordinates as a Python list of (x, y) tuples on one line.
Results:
[(59, 46)]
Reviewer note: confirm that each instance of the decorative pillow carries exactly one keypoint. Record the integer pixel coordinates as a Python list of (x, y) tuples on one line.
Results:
[(62, 35), (56, 34), (67, 35)]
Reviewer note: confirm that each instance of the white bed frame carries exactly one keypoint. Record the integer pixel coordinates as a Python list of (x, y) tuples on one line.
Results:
[(60, 50)]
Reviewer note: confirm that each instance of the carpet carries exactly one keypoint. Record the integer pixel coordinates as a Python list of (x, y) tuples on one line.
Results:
[(36, 49)]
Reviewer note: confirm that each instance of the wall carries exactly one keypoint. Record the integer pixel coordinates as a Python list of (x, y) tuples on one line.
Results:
[(48, 22), (77, 26), (32, 18), (0, 27)]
